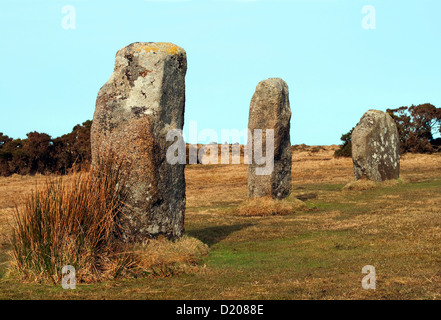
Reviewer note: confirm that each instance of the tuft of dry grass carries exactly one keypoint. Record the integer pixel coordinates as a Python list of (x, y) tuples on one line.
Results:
[(163, 257), (70, 224), (267, 206), (75, 222)]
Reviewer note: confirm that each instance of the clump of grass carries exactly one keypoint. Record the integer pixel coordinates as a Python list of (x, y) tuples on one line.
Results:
[(163, 257), (71, 223), (267, 206), (364, 184), (74, 221)]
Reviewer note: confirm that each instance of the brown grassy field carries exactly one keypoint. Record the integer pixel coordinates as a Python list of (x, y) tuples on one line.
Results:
[(315, 252)]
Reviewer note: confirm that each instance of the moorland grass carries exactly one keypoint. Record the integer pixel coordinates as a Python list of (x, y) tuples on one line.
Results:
[(71, 223), (267, 206), (76, 223), (317, 253)]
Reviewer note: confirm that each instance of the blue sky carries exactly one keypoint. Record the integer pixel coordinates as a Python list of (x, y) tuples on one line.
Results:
[(335, 69)]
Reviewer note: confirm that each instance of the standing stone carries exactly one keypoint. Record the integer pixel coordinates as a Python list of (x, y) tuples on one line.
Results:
[(376, 147), (269, 109), (144, 99)]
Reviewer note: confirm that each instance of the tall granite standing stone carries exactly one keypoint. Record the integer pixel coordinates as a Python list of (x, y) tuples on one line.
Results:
[(143, 99), (270, 109), (376, 147)]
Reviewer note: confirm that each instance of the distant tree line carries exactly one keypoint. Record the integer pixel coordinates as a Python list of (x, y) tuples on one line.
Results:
[(417, 127), (40, 153)]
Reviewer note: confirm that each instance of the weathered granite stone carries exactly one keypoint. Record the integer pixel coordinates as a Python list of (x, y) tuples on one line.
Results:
[(376, 147), (143, 99), (270, 109)]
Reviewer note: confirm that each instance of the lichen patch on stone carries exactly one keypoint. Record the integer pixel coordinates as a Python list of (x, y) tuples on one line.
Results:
[(150, 47)]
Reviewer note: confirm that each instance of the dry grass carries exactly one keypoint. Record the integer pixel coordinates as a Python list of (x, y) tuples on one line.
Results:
[(267, 206), (76, 223), (206, 184), (13, 191), (71, 224), (315, 253), (214, 185), (162, 257)]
